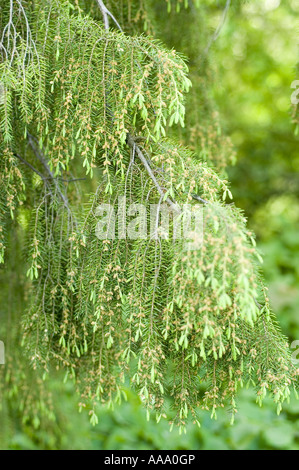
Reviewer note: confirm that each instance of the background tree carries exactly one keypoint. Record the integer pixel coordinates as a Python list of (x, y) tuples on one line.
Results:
[(76, 96)]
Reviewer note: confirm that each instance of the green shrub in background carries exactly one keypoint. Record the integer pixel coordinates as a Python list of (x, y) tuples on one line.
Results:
[(264, 183), (127, 428)]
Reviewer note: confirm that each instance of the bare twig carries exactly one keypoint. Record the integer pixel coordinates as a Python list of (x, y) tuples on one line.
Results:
[(10, 36), (42, 159), (146, 165), (106, 13), (30, 166), (73, 180), (259, 306), (199, 199), (39, 155), (219, 28)]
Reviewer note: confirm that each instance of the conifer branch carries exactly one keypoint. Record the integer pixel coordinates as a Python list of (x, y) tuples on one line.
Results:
[(132, 144)]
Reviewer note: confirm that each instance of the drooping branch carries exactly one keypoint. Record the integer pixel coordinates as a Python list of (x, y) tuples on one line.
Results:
[(130, 140), (10, 36)]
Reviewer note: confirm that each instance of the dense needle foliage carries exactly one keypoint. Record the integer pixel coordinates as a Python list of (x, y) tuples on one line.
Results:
[(82, 108)]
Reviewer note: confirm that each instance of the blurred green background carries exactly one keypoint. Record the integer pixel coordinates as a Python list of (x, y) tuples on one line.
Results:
[(256, 57)]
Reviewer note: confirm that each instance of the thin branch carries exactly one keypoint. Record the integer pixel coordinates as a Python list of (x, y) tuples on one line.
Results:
[(73, 180), (115, 20), (10, 37), (219, 28), (30, 166), (44, 162), (259, 306), (39, 155), (199, 199), (106, 13), (146, 165)]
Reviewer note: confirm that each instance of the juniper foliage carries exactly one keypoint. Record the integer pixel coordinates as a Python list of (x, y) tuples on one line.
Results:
[(86, 99)]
